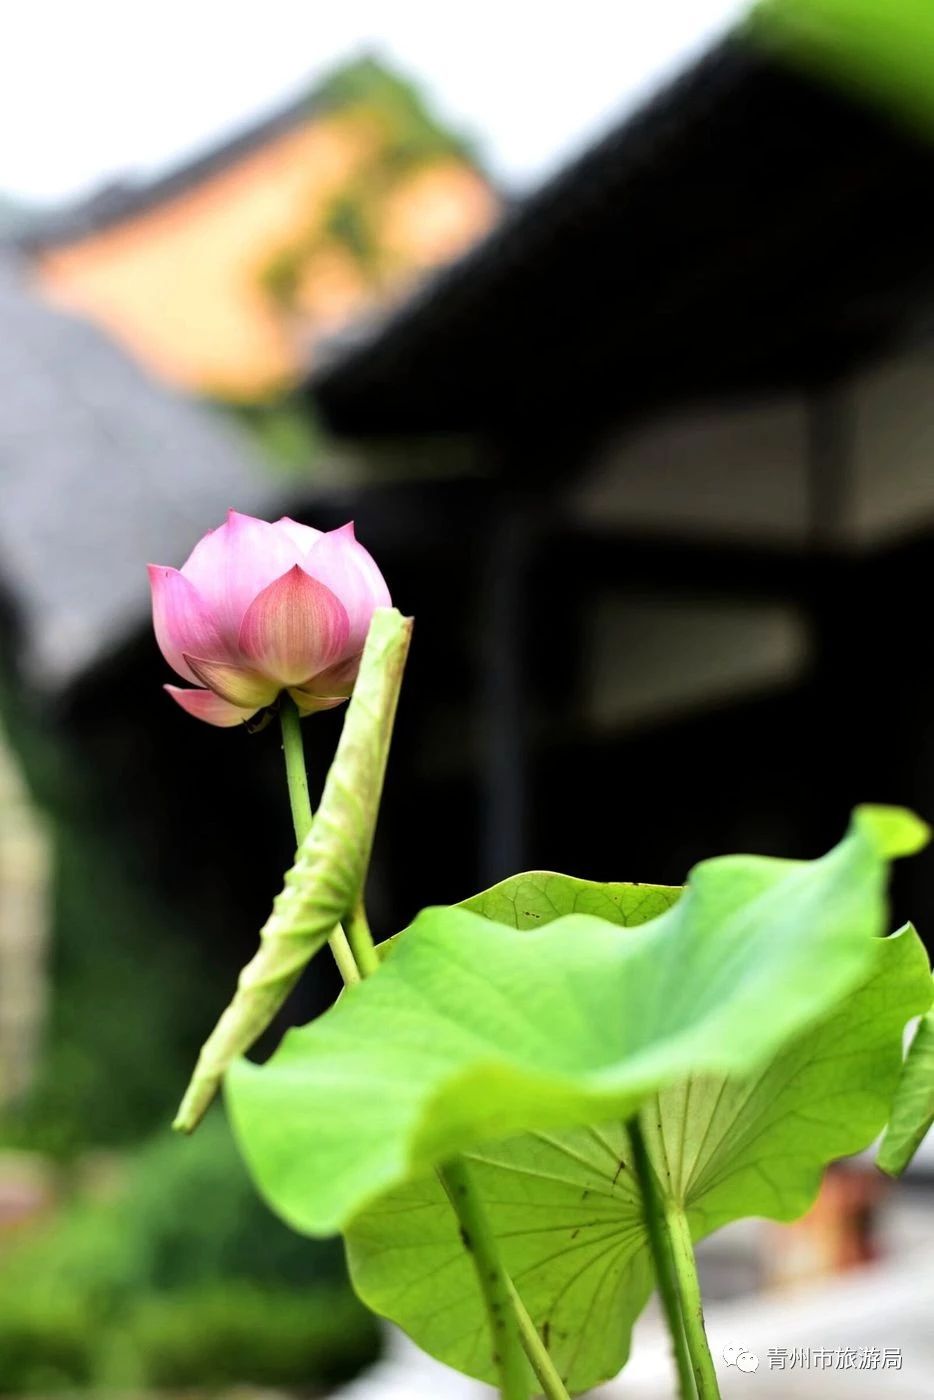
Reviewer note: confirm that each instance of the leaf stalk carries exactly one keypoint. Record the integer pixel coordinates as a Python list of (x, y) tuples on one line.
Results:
[(553, 1387), (480, 1243), (692, 1308), (662, 1259)]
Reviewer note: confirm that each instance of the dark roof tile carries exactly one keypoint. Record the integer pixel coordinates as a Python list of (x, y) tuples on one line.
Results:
[(101, 471)]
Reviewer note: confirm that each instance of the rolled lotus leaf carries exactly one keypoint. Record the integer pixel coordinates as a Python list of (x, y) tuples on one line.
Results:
[(326, 881)]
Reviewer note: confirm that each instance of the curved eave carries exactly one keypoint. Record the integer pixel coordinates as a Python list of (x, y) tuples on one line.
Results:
[(752, 228)]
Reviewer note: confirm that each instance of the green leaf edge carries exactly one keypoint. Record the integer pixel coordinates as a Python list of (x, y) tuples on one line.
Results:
[(912, 1113), (596, 1095), (900, 958)]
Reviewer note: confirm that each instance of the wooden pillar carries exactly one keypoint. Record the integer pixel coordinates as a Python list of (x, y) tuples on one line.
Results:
[(504, 669), (827, 729), (533, 470)]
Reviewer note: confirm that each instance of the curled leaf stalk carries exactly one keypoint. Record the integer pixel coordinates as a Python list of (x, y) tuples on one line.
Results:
[(325, 883)]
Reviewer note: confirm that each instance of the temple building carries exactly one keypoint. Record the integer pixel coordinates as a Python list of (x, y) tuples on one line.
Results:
[(223, 275)]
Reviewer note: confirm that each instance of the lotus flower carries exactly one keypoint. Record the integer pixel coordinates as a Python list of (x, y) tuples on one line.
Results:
[(260, 608)]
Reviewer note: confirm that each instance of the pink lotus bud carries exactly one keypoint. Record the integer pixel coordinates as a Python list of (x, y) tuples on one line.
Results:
[(259, 608)]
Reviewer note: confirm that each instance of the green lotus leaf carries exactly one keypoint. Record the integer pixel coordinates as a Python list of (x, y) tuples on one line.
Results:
[(913, 1107), (541, 896), (471, 1033), (879, 51), (567, 1212)]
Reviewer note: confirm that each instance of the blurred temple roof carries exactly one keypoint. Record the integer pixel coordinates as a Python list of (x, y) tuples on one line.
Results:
[(101, 470), (125, 198), (222, 276), (761, 224)]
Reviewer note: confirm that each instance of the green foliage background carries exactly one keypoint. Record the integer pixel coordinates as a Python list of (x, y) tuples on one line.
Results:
[(178, 1277)]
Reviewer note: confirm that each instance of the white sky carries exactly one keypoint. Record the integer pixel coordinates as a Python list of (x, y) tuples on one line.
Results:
[(91, 88)]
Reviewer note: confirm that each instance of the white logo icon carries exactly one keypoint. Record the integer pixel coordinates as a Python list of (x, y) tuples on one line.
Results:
[(742, 1359)]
